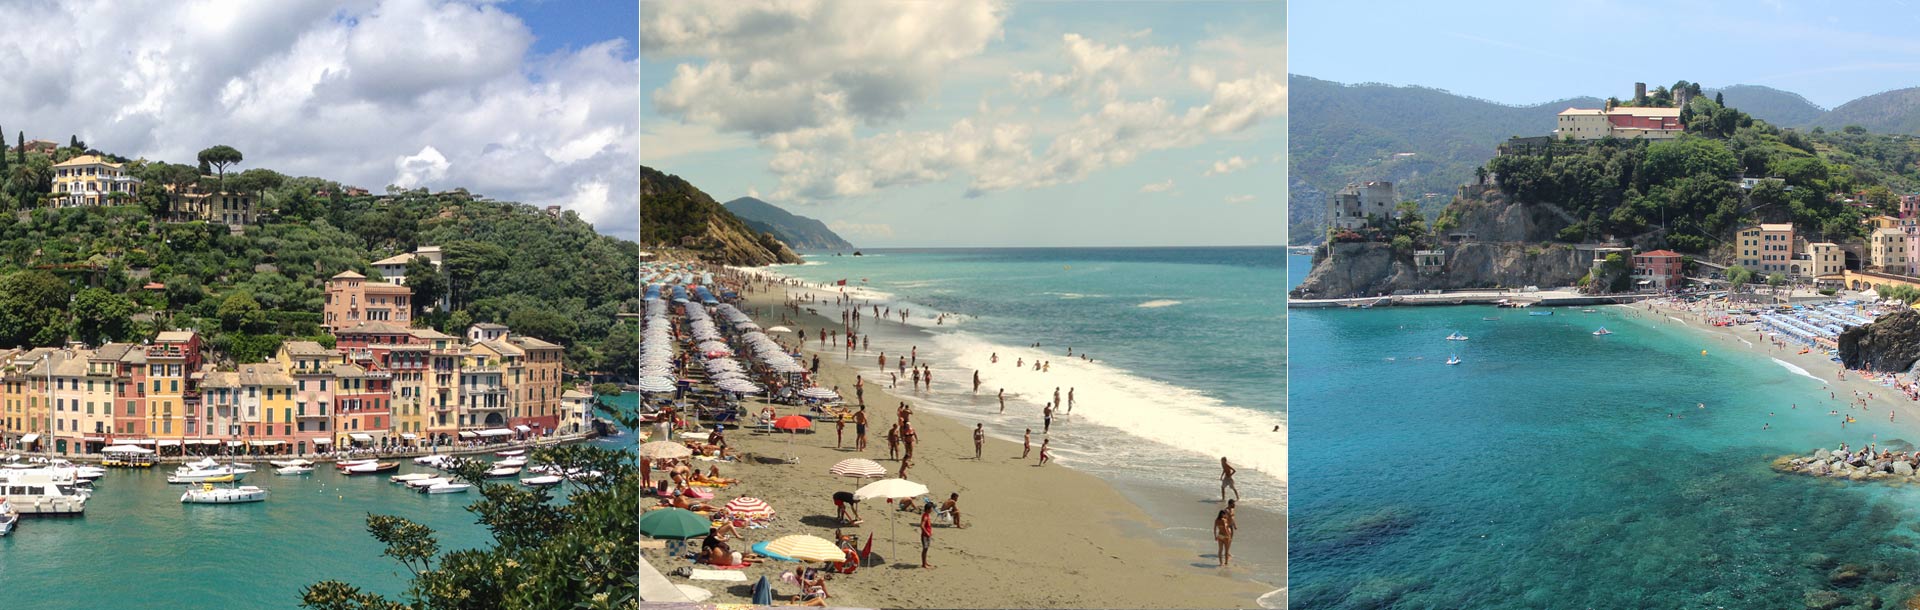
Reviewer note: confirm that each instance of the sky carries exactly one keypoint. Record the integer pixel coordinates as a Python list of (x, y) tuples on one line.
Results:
[(1528, 52), (530, 100), (978, 123)]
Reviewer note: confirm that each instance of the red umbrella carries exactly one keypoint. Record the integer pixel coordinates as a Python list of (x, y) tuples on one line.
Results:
[(792, 423)]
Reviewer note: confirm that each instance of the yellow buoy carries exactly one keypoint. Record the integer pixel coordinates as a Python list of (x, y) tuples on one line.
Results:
[(1703, 352)]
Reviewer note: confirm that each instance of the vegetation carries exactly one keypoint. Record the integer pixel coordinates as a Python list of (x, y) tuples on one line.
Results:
[(582, 553), (674, 210), (1899, 292)]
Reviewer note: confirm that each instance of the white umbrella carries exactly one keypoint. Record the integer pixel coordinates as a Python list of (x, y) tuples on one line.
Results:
[(655, 385), (891, 489), (858, 468), (664, 450), (821, 393), (127, 449)]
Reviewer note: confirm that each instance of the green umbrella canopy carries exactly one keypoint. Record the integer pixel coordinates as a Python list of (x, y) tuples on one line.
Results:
[(674, 523)]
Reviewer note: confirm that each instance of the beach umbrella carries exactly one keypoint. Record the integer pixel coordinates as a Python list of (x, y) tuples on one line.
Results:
[(806, 548), (655, 385), (664, 450), (792, 424), (858, 468), (890, 489), (779, 329), (676, 523), (127, 449), (750, 508), (762, 592), (719, 353), (820, 393)]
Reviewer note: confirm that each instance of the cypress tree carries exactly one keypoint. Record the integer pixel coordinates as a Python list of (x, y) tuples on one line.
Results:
[(20, 150), (1717, 100)]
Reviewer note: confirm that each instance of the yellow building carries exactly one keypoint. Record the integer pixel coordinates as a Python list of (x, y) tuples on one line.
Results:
[(545, 365), (441, 381), (1887, 250), (203, 201), (1765, 248), (1627, 123), (166, 384), (89, 180), (1827, 259), (29, 395)]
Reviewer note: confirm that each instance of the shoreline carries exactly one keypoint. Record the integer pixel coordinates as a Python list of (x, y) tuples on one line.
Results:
[(1036, 535), (94, 458)]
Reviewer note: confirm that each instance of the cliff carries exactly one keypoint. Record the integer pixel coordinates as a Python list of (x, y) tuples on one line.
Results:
[(1890, 344), (795, 230), (1501, 248), (675, 214)]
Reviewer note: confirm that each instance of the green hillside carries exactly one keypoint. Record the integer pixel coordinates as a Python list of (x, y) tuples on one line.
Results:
[(1782, 108), (1891, 112), (797, 231), (674, 213)]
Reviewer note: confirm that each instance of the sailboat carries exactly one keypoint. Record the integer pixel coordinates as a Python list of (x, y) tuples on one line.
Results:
[(1602, 332), (1456, 336), (1455, 359)]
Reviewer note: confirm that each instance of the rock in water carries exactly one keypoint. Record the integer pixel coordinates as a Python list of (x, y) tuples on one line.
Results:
[(1824, 600), (1902, 469), (1822, 455), (1890, 344)]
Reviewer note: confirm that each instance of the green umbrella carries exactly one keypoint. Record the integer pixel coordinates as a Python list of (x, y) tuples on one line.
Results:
[(674, 523)]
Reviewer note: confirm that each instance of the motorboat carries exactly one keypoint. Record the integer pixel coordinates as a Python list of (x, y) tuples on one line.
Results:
[(372, 468), (1540, 313), (510, 452), (503, 472), (404, 478), (42, 491), (1602, 332), (1456, 336), (511, 462), (447, 488), (542, 480), (1586, 311), (7, 517), (207, 493), (345, 464), (293, 470), (88, 473), (435, 461), (289, 463), (222, 473), (1454, 360), (1489, 319), (427, 482)]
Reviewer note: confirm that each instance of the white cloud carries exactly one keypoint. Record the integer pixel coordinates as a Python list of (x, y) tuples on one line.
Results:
[(1229, 165), (438, 93), (1239, 198), (778, 66), (1097, 69), (1158, 187)]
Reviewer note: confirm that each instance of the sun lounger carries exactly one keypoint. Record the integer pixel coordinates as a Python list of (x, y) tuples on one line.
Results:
[(730, 575)]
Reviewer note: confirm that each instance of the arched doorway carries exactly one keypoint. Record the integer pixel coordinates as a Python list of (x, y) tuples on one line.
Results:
[(495, 419)]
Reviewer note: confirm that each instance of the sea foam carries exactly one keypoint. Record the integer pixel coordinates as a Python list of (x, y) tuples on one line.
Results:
[(1158, 303)]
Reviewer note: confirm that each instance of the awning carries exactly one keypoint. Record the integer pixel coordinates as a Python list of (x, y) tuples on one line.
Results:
[(267, 443), (203, 442), (95, 439), (235, 443), (496, 432), (169, 443), (322, 441), (144, 441), (467, 434), (408, 435), (29, 438), (523, 428), (360, 437)]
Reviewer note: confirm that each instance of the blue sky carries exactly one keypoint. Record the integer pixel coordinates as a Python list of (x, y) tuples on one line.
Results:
[(575, 24), (978, 123), (1530, 52)]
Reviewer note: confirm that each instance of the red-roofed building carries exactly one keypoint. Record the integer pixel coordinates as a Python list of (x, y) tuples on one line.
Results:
[(1660, 270)]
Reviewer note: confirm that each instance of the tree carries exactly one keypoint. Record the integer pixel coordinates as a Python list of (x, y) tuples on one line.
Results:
[(101, 317), (1738, 276), (241, 312), (465, 261), (458, 322), (1717, 100), (1480, 175), (219, 157), (427, 283), (1774, 281), (33, 309), (544, 324)]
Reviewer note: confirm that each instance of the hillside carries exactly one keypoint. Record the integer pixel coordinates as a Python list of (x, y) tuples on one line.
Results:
[(1783, 108), (1341, 133), (1891, 112), (671, 211), (799, 232)]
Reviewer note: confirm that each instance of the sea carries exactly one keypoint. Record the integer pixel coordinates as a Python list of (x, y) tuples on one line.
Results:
[(137, 546), (1554, 468)]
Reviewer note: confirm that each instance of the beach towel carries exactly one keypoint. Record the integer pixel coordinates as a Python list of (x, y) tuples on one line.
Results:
[(742, 566), (695, 493), (723, 574)]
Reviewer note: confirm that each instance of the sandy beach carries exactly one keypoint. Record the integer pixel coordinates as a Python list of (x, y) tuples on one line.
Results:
[(1035, 536)]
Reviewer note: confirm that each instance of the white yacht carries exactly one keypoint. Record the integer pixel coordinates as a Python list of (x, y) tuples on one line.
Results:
[(425, 483), (511, 462), (7, 517), (542, 480), (405, 478), (290, 463), (503, 472), (1456, 336), (217, 474), (435, 461), (207, 493), (42, 492), (447, 488), (293, 470)]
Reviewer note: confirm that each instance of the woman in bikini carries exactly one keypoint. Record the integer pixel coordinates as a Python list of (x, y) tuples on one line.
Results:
[(1223, 536)]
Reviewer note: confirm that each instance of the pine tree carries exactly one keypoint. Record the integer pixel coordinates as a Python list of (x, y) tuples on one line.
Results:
[(1717, 100)]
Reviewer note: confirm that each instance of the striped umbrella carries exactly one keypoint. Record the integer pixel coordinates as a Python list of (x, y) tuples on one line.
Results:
[(806, 548), (738, 386), (664, 450), (820, 393), (858, 468), (750, 508)]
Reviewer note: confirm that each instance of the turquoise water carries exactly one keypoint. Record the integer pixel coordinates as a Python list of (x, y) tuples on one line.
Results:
[(1188, 344), (137, 546), (1545, 470)]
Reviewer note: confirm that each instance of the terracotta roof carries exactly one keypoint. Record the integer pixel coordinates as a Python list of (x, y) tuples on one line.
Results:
[(383, 287), (397, 259), (154, 286), (1659, 253), (348, 275), (376, 328), (306, 348)]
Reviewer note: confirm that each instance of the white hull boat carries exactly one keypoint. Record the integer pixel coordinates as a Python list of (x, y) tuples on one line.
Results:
[(511, 453), (541, 481), (503, 472), (407, 478), (7, 517), (511, 462), (290, 463), (293, 470), (447, 488), (1454, 360), (223, 495), (425, 483), (202, 476)]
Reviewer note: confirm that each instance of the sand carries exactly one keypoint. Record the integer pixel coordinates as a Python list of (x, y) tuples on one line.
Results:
[(1036, 535)]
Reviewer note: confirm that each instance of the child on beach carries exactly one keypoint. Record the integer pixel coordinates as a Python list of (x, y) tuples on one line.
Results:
[(893, 442), (926, 534), (1043, 451), (979, 438), (1026, 444), (839, 431)]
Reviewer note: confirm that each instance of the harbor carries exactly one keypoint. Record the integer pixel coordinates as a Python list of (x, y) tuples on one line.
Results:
[(1526, 298)]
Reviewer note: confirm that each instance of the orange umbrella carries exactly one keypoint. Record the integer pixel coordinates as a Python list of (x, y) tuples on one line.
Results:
[(792, 423)]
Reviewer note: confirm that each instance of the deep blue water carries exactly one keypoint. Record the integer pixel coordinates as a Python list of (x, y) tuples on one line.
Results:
[(1546, 472), (1189, 345)]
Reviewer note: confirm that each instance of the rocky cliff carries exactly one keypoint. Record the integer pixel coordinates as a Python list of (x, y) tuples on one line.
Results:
[(1890, 344), (675, 214), (1502, 249), (793, 229)]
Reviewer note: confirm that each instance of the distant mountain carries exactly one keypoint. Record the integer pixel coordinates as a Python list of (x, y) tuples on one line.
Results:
[(1426, 141), (1783, 108), (798, 231), (1892, 112), (674, 213)]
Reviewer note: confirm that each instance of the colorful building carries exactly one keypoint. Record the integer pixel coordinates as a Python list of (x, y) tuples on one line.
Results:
[(352, 299), (1627, 123), (89, 180), (1765, 248), (1661, 270)]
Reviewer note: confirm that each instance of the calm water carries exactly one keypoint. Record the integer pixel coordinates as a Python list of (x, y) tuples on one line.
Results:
[(138, 547), (1545, 471), (1189, 347)]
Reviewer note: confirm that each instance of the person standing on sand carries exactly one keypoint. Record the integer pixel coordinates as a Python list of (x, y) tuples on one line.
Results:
[(976, 381), (893, 442), (860, 428), (860, 390), (926, 534), (1003, 400), (911, 437), (1046, 414), (839, 431), (1043, 449), (1226, 480), (1222, 536), (979, 439), (1069, 400), (906, 462)]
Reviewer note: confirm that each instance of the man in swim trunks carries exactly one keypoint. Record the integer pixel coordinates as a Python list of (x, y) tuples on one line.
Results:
[(1226, 480), (860, 428)]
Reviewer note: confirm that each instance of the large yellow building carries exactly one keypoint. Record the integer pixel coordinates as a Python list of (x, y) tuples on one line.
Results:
[(89, 180), (1766, 248)]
